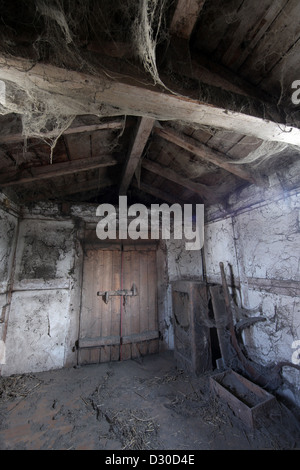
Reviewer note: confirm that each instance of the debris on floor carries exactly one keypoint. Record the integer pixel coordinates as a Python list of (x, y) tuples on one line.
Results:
[(132, 405)]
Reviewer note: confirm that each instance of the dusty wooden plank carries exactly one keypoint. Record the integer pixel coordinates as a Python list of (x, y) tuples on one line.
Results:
[(127, 283), (243, 44), (144, 297), (185, 17), (171, 175), (133, 303), (213, 17), (142, 133), (19, 137), (106, 275), (105, 353), (115, 301), (13, 177), (144, 336), (98, 341), (86, 294), (158, 193), (280, 37), (76, 91), (204, 152), (152, 291), (94, 356)]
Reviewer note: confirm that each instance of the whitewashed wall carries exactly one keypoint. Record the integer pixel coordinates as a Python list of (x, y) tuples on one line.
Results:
[(39, 309), (259, 243), (8, 238)]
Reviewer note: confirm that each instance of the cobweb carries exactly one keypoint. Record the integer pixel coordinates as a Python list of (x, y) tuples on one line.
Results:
[(61, 26)]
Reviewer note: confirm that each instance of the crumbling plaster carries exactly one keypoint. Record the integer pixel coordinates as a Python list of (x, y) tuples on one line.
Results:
[(258, 240)]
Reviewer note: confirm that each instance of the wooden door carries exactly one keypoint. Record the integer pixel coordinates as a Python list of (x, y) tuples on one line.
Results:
[(120, 327)]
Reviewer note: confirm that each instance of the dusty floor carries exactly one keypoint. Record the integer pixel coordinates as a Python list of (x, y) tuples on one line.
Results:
[(147, 404)]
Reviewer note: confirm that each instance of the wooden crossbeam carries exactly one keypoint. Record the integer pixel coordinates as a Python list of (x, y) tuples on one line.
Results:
[(203, 191), (156, 192), (204, 152), (18, 137), (85, 94), (142, 133), (185, 17), (15, 177)]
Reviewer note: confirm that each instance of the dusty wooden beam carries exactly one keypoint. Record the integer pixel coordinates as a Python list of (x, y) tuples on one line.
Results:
[(13, 138), (204, 152), (79, 93), (84, 186), (156, 192), (185, 17), (15, 177), (142, 133), (59, 192), (203, 191)]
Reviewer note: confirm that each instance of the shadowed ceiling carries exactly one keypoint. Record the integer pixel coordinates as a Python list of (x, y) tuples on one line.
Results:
[(166, 101)]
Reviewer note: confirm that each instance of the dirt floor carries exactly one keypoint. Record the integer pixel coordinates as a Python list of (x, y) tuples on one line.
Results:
[(145, 404)]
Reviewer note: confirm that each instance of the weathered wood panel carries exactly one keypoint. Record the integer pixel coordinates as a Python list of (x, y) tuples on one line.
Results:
[(125, 327)]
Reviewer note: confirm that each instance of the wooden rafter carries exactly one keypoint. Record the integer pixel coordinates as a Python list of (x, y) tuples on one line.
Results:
[(203, 191), (156, 192), (76, 91), (185, 17), (15, 177), (204, 152), (142, 132), (13, 138)]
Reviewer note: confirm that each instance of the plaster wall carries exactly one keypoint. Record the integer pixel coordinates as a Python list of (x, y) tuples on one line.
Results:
[(39, 307), (259, 244), (8, 239)]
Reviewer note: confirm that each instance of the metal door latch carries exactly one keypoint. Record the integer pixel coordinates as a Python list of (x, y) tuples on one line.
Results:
[(124, 292)]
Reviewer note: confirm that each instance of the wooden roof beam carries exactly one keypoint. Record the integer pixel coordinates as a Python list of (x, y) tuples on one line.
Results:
[(203, 191), (204, 152), (76, 91), (185, 17), (142, 133), (14, 138), (32, 174), (156, 192)]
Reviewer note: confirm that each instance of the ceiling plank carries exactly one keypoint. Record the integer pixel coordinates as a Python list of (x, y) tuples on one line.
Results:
[(142, 132), (59, 192), (15, 177), (185, 17), (203, 191), (242, 45), (19, 137), (76, 93), (204, 152), (156, 192)]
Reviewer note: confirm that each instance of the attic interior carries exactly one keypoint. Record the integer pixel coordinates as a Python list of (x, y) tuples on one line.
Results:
[(185, 102)]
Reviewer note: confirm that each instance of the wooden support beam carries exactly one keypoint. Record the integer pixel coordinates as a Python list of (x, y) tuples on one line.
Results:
[(59, 192), (204, 152), (185, 17), (15, 177), (203, 191), (80, 93), (14, 138), (142, 133), (156, 192)]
